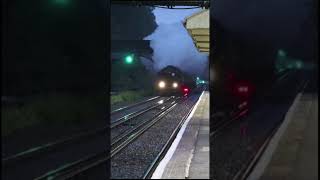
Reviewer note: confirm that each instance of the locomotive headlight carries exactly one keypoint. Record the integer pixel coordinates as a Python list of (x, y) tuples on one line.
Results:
[(162, 84), (175, 85)]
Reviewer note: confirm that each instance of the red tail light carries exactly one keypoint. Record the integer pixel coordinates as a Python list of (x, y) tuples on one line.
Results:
[(185, 90), (243, 89)]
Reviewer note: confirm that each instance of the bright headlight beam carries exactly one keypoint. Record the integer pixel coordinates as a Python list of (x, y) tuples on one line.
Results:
[(175, 85), (162, 84)]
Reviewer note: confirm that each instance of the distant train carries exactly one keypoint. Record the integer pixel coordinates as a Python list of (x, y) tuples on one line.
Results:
[(172, 81)]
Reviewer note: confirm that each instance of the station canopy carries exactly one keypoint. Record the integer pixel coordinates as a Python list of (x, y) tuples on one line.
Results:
[(198, 28)]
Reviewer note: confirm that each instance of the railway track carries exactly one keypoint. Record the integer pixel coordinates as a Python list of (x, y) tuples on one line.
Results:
[(122, 140), (134, 105), (250, 151), (148, 173), (248, 167), (72, 143), (83, 166), (73, 155), (137, 113), (52, 146), (119, 121), (33, 162), (222, 121), (78, 137)]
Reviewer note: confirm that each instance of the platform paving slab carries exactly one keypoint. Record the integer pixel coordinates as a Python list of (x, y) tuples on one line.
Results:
[(191, 157)]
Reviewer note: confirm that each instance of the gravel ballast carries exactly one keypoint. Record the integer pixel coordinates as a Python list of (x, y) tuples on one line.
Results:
[(133, 161)]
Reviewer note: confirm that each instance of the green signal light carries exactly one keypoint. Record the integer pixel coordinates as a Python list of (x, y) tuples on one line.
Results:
[(299, 64), (61, 2), (282, 53), (129, 59)]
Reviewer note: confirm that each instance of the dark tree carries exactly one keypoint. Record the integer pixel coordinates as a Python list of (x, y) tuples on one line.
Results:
[(131, 22)]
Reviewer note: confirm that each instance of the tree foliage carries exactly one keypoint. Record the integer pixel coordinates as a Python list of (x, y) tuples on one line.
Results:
[(131, 22)]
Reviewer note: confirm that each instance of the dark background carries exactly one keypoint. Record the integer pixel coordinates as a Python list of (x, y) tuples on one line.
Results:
[(55, 69), (53, 46)]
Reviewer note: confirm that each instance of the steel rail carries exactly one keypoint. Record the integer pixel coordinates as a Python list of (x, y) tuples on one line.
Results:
[(135, 114), (51, 146), (130, 131), (247, 168), (166, 147), (74, 168), (134, 105), (224, 124), (245, 171), (85, 164), (29, 153), (138, 132)]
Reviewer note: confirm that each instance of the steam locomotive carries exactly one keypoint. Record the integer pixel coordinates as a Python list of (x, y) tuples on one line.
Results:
[(172, 81)]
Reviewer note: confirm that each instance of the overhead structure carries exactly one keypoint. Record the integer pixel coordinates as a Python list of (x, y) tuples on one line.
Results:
[(168, 3), (198, 26)]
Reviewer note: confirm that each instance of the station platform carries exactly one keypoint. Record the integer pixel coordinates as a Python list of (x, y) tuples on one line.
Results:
[(188, 156), (292, 153)]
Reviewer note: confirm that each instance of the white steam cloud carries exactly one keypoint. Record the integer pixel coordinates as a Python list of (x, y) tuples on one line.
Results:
[(172, 45)]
